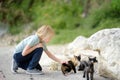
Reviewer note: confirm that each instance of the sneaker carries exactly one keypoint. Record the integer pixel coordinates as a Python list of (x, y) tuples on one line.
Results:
[(14, 66), (34, 71)]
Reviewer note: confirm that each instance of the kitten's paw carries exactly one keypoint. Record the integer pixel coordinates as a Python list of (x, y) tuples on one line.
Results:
[(83, 76)]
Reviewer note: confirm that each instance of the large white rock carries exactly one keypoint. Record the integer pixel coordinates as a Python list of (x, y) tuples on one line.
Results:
[(75, 47), (104, 44), (108, 43)]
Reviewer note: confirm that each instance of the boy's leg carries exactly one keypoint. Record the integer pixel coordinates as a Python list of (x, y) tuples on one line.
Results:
[(34, 63), (24, 61), (35, 58)]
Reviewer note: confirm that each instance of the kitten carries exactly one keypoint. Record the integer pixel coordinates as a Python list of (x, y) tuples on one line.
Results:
[(83, 63), (88, 68), (68, 67)]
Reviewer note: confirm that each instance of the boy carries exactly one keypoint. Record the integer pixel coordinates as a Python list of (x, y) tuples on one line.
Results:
[(28, 52)]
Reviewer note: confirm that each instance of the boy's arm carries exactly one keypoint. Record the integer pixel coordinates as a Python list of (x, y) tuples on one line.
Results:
[(29, 49), (53, 57)]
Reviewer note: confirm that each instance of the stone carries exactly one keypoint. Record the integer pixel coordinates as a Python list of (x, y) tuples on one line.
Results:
[(80, 43), (107, 41), (105, 45)]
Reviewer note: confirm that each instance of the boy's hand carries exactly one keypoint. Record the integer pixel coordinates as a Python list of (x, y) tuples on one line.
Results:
[(64, 62)]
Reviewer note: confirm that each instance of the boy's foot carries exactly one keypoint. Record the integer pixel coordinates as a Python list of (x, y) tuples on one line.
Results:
[(14, 66), (34, 71)]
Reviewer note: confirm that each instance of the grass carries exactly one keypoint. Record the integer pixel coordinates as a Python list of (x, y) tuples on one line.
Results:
[(67, 35)]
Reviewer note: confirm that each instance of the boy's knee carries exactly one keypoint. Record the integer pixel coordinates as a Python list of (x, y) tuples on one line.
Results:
[(39, 50)]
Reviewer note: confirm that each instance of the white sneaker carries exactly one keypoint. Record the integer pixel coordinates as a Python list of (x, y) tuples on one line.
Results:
[(14, 66)]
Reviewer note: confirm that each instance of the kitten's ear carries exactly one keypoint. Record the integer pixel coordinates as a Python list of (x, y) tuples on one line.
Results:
[(75, 56), (89, 58), (79, 57), (96, 59)]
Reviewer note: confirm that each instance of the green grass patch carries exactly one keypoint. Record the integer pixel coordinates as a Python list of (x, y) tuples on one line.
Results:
[(67, 35), (15, 31)]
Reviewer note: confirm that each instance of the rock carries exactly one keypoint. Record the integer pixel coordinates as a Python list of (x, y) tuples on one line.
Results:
[(80, 43), (108, 43), (105, 45)]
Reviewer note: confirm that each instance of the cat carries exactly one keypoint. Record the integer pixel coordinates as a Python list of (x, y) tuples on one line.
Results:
[(72, 63), (88, 68), (83, 63)]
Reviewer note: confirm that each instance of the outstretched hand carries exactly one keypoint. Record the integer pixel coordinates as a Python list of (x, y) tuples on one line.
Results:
[(63, 61)]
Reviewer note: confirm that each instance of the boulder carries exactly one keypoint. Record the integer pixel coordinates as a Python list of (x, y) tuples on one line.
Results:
[(105, 45), (107, 42), (75, 47)]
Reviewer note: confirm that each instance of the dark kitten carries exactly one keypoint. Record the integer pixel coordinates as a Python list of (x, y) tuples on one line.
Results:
[(66, 68), (93, 60), (88, 67), (83, 63)]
